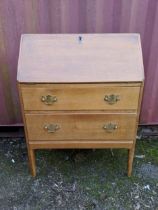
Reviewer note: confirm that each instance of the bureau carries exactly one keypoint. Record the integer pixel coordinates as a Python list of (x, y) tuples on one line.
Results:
[(80, 91)]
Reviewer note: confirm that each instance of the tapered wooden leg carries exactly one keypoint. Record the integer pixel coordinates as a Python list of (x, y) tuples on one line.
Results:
[(130, 161), (32, 164)]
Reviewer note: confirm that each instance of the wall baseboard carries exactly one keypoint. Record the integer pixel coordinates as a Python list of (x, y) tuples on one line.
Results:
[(11, 131)]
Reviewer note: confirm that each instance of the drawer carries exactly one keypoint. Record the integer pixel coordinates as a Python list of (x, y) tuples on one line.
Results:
[(80, 126), (79, 97)]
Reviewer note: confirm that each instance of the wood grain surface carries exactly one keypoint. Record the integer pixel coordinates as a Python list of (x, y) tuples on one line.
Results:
[(82, 58), (80, 96), (84, 144), (76, 126)]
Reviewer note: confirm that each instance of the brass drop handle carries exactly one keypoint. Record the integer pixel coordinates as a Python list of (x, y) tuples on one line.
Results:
[(51, 128), (111, 99), (48, 100), (110, 127)]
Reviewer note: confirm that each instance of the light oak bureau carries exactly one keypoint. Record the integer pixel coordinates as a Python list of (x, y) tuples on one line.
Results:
[(80, 91)]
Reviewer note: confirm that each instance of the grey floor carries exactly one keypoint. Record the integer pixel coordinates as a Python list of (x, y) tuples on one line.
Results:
[(78, 179)]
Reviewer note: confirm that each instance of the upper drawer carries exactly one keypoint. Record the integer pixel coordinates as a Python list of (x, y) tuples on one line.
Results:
[(79, 97)]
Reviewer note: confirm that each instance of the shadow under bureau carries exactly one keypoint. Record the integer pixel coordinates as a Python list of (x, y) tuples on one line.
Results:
[(80, 91)]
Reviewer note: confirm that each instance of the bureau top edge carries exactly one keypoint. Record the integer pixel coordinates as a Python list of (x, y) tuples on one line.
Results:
[(118, 84)]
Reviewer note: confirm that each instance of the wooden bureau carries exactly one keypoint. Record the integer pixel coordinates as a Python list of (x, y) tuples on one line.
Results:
[(80, 91)]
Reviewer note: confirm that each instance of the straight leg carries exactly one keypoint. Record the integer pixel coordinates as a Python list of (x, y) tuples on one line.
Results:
[(32, 164), (130, 160)]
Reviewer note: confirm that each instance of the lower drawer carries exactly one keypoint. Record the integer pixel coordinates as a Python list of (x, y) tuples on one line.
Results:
[(80, 126)]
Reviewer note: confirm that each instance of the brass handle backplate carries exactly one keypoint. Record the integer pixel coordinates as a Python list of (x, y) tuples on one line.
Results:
[(51, 128), (110, 127), (48, 100), (111, 99)]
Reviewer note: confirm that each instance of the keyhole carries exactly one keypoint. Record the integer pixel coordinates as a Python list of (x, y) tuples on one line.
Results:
[(80, 39)]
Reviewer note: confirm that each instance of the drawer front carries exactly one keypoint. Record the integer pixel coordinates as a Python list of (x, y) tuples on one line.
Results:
[(79, 97), (73, 126)]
